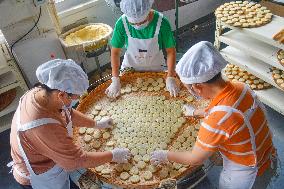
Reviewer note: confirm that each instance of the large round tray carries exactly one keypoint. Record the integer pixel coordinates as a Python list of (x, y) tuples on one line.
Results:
[(98, 95)]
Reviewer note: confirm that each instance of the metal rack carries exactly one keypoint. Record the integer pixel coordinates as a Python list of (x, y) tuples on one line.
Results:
[(10, 78), (254, 50)]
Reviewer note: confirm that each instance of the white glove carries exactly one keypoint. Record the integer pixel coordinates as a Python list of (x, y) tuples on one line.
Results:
[(159, 157), (120, 155), (113, 90), (104, 123), (188, 110), (172, 86)]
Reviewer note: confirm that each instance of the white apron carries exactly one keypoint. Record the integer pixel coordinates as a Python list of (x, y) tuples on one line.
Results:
[(234, 175), (56, 177), (144, 54)]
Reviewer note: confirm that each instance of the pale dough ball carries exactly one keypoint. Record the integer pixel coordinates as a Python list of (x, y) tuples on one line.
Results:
[(82, 130), (96, 144), (134, 171), (141, 164), (124, 176), (164, 172), (146, 158), (147, 175), (119, 168), (127, 166), (279, 81), (90, 131), (99, 168), (97, 134), (134, 179), (88, 138), (137, 158), (98, 108), (110, 143), (106, 135), (152, 168), (106, 171)]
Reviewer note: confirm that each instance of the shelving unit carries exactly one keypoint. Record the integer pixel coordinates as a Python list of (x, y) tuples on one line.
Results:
[(254, 50), (10, 78)]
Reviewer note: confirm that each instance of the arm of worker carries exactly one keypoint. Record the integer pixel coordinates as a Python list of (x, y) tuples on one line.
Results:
[(52, 141), (171, 61), (171, 83), (196, 157), (81, 120), (113, 90), (190, 111)]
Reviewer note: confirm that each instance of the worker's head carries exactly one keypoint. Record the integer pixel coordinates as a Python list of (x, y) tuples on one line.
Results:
[(136, 11), (200, 70), (64, 79)]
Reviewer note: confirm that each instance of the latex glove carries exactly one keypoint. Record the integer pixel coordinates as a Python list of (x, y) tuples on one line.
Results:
[(104, 123), (113, 90), (172, 86), (188, 110), (159, 157), (120, 155)]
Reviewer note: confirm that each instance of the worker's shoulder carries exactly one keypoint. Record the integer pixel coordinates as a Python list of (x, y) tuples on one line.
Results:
[(221, 118)]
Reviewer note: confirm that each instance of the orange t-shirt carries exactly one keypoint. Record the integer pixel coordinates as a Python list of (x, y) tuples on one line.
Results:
[(229, 134), (45, 145)]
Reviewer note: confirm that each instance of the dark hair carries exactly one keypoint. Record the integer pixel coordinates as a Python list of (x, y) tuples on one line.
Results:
[(216, 78), (45, 87)]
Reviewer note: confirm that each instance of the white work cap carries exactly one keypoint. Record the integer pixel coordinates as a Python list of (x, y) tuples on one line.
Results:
[(200, 63), (63, 75), (136, 11)]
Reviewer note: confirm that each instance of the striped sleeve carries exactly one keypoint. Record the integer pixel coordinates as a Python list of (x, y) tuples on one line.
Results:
[(211, 135)]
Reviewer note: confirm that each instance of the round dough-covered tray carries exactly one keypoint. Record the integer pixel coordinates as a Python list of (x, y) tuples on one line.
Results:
[(243, 14), (145, 118)]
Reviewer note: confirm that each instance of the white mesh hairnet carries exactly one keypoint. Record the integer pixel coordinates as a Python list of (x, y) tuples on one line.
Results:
[(136, 11), (63, 75), (200, 63)]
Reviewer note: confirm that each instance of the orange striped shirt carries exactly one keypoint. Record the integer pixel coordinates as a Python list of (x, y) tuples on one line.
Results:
[(228, 133)]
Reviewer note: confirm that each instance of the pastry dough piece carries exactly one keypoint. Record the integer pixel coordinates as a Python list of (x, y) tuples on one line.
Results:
[(276, 76), (95, 112), (98, 108), (150, 89), (98, 118), (100, 168), (90, 131), (119, 167), (96, 144), (124, 176), (127, 166), (279, 81), (134, 179), (164, 172), (110, 143), (147, 175), (106, 135), (253, 86), (88, 138), (106, 171), (82, 130), (134, 151), (134, 171), (146, 158), (137, 158), (152, 168), (260, 86), (97, 134), (103, 113), (141, 165)]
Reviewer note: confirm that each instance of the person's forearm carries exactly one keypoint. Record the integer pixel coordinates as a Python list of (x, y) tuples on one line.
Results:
[(81, 120), (94, 159), (186, 158), (171, 62), (115, 62)]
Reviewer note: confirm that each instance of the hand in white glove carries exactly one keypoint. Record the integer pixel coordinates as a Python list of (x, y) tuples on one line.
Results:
[(120, 155), (104, 123), (172, 86), (188, 110), (159, 157), (113, 90)]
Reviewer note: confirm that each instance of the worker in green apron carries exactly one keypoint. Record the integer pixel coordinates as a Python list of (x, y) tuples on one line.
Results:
[(144, 33)]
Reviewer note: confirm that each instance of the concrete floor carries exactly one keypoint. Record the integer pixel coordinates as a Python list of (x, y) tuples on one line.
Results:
[(194, 34)]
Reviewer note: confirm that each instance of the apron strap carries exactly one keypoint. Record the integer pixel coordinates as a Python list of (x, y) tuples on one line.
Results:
[(159, 24), (125, 25), (27, 126)]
